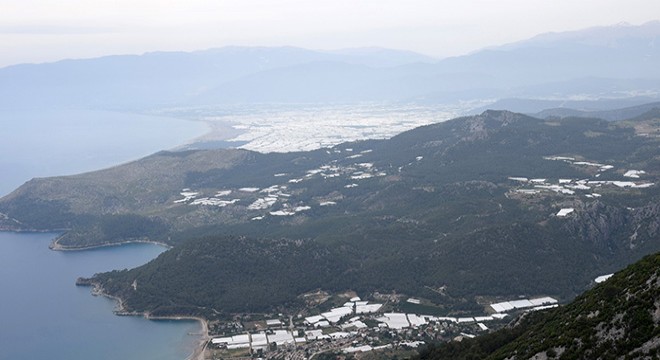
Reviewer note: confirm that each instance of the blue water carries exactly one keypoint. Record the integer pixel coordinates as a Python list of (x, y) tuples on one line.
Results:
[(40, 143), (43, 315)]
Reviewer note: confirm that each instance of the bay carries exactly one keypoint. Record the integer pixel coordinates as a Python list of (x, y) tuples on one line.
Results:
[(43, 315), (41, 143)]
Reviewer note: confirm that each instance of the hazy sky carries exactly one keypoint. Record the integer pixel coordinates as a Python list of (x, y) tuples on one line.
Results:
[(47, 30)]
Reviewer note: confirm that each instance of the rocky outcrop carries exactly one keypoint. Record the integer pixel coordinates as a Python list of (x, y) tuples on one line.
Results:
[(614, 228)]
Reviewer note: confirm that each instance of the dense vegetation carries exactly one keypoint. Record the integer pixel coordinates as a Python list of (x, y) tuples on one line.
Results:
[(232, 274), (437, 211), (616, 319)]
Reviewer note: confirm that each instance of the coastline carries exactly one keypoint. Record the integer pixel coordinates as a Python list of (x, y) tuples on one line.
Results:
[(120, 310), (56, 246), (198, 352), (28, 231), (12, 226), (219, 132)]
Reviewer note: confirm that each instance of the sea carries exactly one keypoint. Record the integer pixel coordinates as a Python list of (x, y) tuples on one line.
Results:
[(41, 143), (43, 315)]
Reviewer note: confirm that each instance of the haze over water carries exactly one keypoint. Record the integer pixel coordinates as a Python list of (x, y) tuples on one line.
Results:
[(42, 143), (43, 314)]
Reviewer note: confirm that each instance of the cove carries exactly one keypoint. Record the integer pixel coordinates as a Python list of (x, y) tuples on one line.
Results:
[(43, 315)]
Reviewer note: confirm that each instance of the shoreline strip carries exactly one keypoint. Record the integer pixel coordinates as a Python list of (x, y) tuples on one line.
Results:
[(120, 310)]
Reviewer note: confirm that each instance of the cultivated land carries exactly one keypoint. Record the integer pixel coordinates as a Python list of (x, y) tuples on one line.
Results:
[(445, 230), (489, 209), (304, 127)]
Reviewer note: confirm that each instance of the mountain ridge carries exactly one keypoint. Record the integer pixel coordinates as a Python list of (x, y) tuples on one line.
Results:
[(607, 35), (184, 79), (441, 206)]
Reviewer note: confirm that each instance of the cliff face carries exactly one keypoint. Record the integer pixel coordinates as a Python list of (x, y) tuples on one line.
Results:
[(647, 220), (614, 228), (596, 223)]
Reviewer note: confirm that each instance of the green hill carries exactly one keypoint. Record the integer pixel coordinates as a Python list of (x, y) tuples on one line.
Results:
[(618, 319), (439, 207)]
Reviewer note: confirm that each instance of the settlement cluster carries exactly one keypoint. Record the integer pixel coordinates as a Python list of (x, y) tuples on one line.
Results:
[(358, 326)]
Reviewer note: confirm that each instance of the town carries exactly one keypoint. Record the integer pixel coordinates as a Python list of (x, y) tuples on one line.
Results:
[(357, 327)]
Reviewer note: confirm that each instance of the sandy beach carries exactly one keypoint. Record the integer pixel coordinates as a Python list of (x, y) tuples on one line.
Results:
[(197, 354), (218, 132)]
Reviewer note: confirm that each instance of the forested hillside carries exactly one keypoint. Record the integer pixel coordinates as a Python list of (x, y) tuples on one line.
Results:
[(616, 319), (498, 204)]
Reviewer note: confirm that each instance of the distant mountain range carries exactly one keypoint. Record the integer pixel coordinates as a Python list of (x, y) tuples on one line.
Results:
[(608, 62), (497, 204), (612, 115), (163, 77), (609, 109), (490, 206)]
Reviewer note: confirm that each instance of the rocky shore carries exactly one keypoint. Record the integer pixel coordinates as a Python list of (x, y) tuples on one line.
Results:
[(55, 245)]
